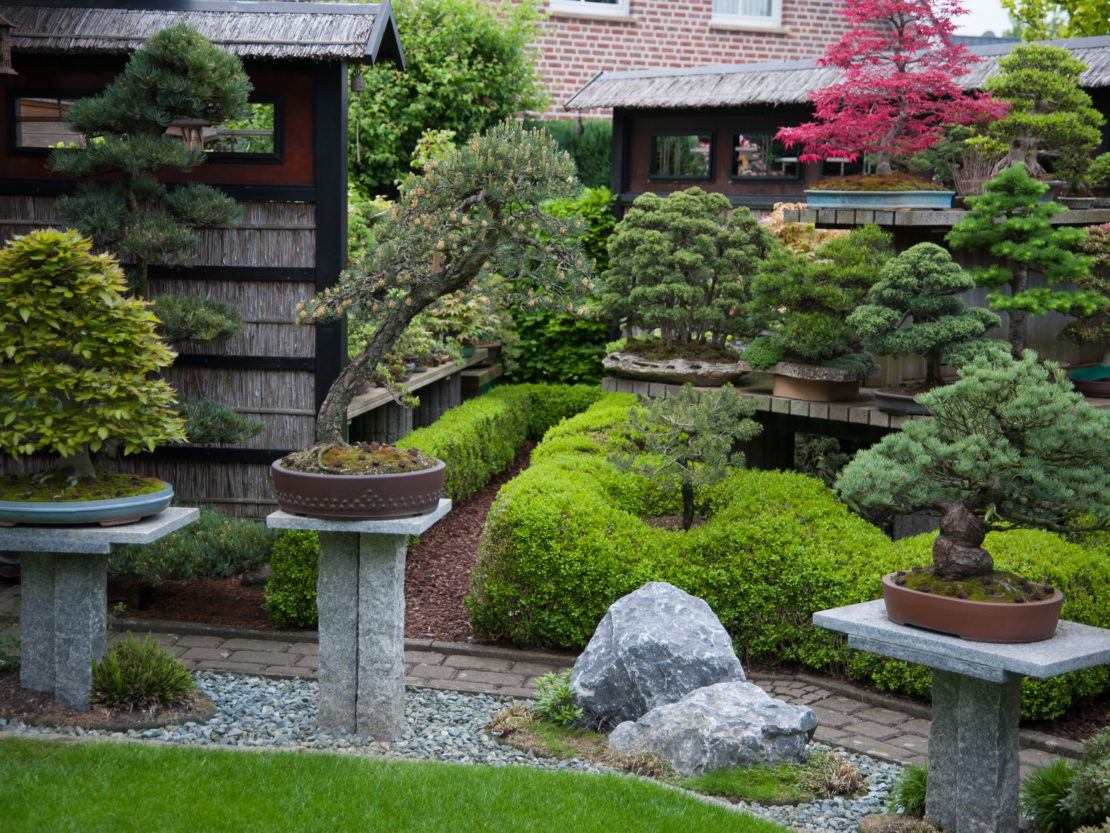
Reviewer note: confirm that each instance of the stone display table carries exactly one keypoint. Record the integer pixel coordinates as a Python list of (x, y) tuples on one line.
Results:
[(64, 597), (360, 598), (973, 739)]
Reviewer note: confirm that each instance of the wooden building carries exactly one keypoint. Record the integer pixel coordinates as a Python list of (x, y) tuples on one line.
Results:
[(291, 182), (714, 126)]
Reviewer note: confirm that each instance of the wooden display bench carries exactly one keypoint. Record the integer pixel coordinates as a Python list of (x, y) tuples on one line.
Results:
[(474, 380)]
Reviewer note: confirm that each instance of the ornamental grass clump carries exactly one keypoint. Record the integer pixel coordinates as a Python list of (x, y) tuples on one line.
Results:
[(140, 675), (1009, 445)]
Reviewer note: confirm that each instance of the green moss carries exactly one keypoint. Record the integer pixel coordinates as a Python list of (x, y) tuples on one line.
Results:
[(54, 487), (648, 348), (358, 459), (875, 182), (1000, 586)]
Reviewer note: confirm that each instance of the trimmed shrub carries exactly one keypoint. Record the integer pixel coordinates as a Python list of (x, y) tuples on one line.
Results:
[(481, 437), (291, 590), (568, 537), (215, 546), (139, 675)]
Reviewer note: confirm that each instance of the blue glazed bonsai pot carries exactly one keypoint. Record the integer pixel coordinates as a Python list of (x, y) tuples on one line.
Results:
[(105, 512), (879, 200)]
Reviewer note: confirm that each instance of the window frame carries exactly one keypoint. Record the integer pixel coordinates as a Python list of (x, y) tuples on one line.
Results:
[(747, 21), (734, 174), (590, 8), (711, 162)]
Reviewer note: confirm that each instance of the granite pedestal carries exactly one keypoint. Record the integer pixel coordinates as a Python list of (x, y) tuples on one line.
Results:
[(360, 599), (63, 590), (973, 739)]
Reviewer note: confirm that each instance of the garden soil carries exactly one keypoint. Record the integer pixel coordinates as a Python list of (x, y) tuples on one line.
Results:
[(437, 578)]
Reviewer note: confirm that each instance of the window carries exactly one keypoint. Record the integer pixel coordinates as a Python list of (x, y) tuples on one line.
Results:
[(842, 166), (682, 156), (761, 155), (40, 122), (755, 14), (588, 8)]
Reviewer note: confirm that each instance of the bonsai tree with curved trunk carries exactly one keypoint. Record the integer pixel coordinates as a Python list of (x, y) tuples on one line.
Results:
[(1009, 444), (898, 92), (680, 264), (1009, 221), (77, 356), (475, 209), (176, 75), (914, 308)]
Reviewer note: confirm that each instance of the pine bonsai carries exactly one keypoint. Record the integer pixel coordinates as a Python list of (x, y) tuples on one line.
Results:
[(898, 93), (1009, 221), (77, 356), (679, 265), (914, 308), (692, 440), (476, 209), (805, 298), (1095, 327), (177, 75), (1008, 445)]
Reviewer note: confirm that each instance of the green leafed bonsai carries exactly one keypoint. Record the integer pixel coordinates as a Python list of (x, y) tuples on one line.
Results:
[(681, 265), (1010, 223), (1008, 445), (176, 76), (691, 440), (77, 356), (806, 298), (914, 308)]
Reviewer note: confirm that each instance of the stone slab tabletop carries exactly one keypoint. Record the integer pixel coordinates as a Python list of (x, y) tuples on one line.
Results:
[(414, 525), (1074, 646), (92, 539)]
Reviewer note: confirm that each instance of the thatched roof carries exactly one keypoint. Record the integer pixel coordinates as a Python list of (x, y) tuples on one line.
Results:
[(353, 32), (785, 82)]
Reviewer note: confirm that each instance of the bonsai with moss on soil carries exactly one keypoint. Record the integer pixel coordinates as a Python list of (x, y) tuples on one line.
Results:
[(1008, 445), (474, 211), (74, 381)]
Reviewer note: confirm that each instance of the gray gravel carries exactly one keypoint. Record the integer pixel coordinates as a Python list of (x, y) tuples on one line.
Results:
[(442, 726)]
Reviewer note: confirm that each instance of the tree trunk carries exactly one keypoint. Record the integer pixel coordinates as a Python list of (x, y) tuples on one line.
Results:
[(882, 163), (687, 505), (1017, 316), (956, 552)]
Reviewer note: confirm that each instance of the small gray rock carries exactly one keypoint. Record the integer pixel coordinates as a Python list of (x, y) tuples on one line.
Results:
[(720, 726), (652, 647)]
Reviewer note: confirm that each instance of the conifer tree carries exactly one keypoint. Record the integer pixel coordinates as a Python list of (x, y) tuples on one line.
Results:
[(1009, 222), (176, 75), (914, 308), (1094, 328)]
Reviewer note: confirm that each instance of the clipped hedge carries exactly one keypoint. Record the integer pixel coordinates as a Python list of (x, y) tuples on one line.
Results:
[(568, 537), (479, 438)]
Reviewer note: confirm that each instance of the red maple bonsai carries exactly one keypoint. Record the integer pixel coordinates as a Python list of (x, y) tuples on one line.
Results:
[(899, 91)]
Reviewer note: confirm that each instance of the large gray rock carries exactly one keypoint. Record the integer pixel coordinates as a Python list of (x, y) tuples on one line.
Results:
[(653, 647), (720, 726)]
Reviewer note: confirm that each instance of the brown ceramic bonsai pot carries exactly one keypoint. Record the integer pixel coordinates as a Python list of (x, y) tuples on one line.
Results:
[(813, 383), (976, 621), (358, 497), (896, 402)]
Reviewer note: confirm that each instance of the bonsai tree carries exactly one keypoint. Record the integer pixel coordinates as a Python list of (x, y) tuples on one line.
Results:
[(1008, 445), (476, 209), (806, 298), (1095, 327), (1009, 221), (898, 94), (177, 75), (678, 264), (77, 356), (692, 440), (914, 308), (1050, 116)]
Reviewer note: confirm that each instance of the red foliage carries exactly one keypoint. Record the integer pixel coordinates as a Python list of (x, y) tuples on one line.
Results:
[(899, 91)]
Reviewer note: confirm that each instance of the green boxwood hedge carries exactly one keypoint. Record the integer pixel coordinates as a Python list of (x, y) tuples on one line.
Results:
[(568, 537), (479, 438)]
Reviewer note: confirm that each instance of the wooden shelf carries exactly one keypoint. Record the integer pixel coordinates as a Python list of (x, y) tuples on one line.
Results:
[(376, 397), (920, 217)]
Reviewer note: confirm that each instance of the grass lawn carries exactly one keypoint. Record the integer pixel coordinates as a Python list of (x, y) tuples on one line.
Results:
[(51, 787)]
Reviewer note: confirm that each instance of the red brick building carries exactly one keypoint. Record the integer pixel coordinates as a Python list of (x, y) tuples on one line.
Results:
[(581, 38)]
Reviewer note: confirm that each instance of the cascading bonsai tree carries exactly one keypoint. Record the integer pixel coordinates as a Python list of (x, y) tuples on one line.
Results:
[(77, 360), (806, 298), (475, 209), (1011, 223), (914, 308), (898, 93), (1008, 445), (681, 265), (692, 440)]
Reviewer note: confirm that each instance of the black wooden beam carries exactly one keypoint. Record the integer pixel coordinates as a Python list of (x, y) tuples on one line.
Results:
[(235, 273), (245, 362), (257, 193)]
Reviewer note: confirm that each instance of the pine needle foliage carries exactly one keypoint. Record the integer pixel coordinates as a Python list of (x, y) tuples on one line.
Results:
[(914, 308), (1011, 223), (176, 75)]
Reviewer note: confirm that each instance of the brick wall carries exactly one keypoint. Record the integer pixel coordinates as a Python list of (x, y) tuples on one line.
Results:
[(673, 33)]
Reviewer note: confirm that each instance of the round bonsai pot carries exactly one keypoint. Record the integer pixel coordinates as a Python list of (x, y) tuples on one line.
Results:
[(976, 621), (890, 402), (1092, 381), (358, 497), (109, 512), (813, 383)]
